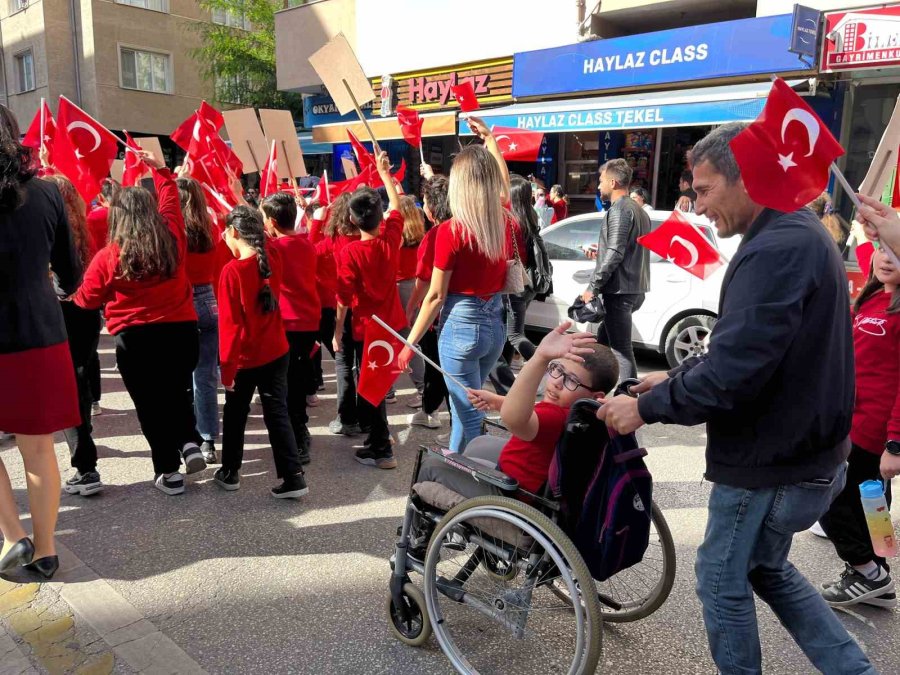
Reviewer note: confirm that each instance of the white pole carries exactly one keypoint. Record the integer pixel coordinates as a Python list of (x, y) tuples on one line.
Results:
[(853, 198)]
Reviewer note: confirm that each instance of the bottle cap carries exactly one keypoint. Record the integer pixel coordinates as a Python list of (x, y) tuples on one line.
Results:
[(871, 489)]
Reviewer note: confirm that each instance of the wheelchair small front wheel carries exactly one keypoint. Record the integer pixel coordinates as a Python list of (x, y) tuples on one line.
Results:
[(416, 628)]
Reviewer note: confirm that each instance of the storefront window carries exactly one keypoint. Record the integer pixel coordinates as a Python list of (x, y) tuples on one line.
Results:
[(582, 159)]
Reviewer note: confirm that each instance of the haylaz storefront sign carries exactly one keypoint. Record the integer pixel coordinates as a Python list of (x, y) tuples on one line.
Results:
[(729, 49)]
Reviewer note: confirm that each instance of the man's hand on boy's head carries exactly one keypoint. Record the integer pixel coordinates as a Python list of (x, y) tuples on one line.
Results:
[(558, 344), (485, 400), (621, 413)]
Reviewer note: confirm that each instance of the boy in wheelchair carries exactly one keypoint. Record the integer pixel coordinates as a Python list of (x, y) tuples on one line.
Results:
[(578, 368)]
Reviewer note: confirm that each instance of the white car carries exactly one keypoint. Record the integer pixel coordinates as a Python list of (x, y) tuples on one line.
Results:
[(679, 311)]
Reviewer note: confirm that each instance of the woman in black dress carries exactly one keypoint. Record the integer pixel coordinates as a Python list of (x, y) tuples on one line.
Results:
[(38, 396)]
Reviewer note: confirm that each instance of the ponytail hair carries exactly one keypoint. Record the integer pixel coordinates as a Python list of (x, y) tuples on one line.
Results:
[(248, 224)]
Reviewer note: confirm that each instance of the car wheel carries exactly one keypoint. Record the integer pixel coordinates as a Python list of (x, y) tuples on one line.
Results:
[(688, 337)]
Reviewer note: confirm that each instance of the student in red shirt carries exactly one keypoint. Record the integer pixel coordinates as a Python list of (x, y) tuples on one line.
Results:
[(560, 204), (201, 270), (413, 233), (470, 264), (367, 272), (875, 434), (140, 277), (299, 306), (255, 354)]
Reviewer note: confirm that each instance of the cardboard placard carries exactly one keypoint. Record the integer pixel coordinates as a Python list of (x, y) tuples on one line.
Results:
[(349, 167), (279, 127), (150, 144), (117, 169), (335, 63), (884, 162), (247, 139)]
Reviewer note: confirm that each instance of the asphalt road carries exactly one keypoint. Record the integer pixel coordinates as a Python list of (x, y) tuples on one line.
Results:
[(245, 583)]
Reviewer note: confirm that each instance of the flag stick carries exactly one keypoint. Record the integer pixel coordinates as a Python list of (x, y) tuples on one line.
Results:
[(43, 122), (362, 118), (421, 151), (853, 198), (252, 154), (419, 352), (287, 162), (327, 196)]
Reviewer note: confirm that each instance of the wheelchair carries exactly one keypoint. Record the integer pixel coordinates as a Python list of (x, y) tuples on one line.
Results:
[(502, 581)]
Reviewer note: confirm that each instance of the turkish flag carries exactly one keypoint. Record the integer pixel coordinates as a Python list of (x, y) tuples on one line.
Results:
[(786, 154), (518, 145), (69, 165), (41, 131), (95, 146), (205, 121), (679, 242), (363, 156), (216, 201), (378, 369), (268, 177), (135, 167), (410, 125), (465, 96)]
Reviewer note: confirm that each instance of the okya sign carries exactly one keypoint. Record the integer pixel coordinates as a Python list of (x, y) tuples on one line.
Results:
[(758, 46), (868, 38)]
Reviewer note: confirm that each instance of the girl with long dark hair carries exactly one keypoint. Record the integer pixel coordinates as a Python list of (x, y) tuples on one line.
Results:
[(201, 270), (141, 278), (254, 353), (38, 396)]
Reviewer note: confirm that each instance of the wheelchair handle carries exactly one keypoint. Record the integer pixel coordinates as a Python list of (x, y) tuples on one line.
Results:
[(625, 387)]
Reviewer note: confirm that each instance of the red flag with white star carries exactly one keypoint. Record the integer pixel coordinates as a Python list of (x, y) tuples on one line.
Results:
[(135, 167), (464, 92), (410, 125), (95, 146), (786, 154), (268, 177), (378, 369), (518, 145), (679, 242), (363, 156), (42, 131)]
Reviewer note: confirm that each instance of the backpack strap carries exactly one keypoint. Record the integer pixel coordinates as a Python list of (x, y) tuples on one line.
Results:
[(623, 457)]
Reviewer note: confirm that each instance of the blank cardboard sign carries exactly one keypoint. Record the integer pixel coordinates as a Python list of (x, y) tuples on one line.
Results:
[(336, 63), (150, 144), (279, 127), (117, 169), (246, 138), (885, 159), (349, 167)]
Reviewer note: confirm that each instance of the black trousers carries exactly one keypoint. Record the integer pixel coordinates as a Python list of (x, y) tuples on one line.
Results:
[(845, 521), (326, 333), (300, 378), (615, 331), (93, 374), (271, 380), (435, 390), (344, 363), (83, 328), (373, 418), (157, 363)]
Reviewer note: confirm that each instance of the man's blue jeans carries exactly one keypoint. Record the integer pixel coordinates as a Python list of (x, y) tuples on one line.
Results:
[(745, 550), (471, 338)]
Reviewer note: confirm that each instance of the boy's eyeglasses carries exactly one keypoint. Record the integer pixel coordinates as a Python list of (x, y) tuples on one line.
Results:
[(570, 382)]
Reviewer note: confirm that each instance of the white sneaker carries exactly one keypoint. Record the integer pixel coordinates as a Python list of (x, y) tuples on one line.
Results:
[(171, 485), (423, 419), (817, 530), (415, 402)]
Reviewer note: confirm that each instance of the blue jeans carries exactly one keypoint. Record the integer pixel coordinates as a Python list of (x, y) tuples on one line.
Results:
[(745, 550), (206, 374), (471, 338)]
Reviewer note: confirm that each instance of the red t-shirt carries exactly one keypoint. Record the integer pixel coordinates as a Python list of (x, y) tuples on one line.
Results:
[(473, 272), (315, 230), (407, 261), (529, 461), (201, 267), (560, 211), (247, 337), (876, 341), (367, 272), (98, 226), (326, 273), (145, 301), (425, 265), (299, 300)]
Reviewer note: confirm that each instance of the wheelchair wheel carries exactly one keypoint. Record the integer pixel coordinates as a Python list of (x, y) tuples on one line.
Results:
[(635, 593), (490, 601), (417, 629)]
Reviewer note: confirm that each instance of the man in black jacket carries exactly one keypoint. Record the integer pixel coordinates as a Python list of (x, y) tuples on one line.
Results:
[(776, 392), (622, 274)]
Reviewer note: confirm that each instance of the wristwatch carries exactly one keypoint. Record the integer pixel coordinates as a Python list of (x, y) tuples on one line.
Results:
[(892, 448)]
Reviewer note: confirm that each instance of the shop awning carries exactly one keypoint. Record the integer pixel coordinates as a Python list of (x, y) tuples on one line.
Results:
[(684, 107), (310, 147), (387, 129)]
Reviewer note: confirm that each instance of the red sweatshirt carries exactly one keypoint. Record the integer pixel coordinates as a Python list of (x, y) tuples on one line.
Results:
[(876, 339), (145, 301), (201, 267), (98, 226), (326, 273), (299, 301), (367, 277), (406, 262), (247, 337)]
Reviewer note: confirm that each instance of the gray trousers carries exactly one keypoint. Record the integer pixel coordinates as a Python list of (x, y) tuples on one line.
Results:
[(484, 449)]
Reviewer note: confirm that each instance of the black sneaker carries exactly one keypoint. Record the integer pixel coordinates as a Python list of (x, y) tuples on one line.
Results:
[(292, 488), (338, 427), (303, 452), (391, 397), (173, 485), (227, 480), (208, 450), (854, 587), (84, 484), (193, 458), (383, 459)]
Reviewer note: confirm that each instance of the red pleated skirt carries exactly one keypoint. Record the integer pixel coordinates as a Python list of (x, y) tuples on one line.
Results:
[(38, 394)]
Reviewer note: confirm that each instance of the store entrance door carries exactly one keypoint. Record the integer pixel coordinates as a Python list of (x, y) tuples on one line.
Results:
[(675, 144)]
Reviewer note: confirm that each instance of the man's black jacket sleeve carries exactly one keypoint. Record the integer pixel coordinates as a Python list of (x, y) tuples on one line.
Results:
[(618, 226)]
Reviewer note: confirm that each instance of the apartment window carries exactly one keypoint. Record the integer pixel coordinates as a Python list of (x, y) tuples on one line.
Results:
[(146, 71), (25, 71), (17, 5), (155, 5), (226, 17)]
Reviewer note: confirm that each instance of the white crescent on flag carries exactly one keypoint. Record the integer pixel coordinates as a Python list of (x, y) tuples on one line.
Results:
[(87, 127), (688, 246), (387, 347), (808, 120)]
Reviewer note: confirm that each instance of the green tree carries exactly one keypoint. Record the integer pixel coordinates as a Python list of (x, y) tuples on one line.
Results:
[(237, 54)]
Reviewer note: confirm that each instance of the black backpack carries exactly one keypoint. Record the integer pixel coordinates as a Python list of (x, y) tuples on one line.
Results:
[(539, 269)]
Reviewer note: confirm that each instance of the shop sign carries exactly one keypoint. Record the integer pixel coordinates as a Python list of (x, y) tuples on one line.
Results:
[(387, 96), (867, 38), (805, 30), (430, 90), (319, 110), (758, 46)]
